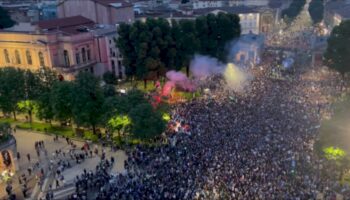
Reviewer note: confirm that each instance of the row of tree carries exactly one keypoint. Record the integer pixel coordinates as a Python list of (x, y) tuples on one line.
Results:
[(338, 49), (293, 10), (152, 47), (316, 10), (86, 101)]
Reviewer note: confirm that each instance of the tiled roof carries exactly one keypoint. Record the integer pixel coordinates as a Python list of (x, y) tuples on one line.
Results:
[(111, 2), (67, 25)]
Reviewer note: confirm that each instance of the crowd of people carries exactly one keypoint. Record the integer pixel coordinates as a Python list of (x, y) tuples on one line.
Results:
[(254, 144)]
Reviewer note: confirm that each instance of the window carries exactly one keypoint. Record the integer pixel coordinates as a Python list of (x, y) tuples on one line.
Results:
[(77, 58), (120, 73), (6, 55), (113, 66), (83, 54), (18, 58), (88, 52), (66, 58), (41, 59), (29, 57)]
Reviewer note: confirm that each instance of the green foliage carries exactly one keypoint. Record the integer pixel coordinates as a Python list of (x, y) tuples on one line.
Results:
[(110, 78), (338, 49), (294, 9), (5, 19), (28, 106), (146, 122), (88, 98), (61, 100), (334, 153), (47, 79), (11, 89), (109, 90), (151, 48), (316, 10), (119, 123)]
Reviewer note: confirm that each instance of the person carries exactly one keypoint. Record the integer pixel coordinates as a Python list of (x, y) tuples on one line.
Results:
[(28, 156), (18, 155), (24, 190), (9, 189)]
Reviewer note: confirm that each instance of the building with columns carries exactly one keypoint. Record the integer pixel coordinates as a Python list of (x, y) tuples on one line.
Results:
[(67, 45)]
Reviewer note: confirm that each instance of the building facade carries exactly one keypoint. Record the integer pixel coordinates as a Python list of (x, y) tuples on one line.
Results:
[(100, 11), (68, 45)]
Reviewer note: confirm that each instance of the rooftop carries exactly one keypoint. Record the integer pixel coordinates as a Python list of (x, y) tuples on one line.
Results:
[(69, 25)]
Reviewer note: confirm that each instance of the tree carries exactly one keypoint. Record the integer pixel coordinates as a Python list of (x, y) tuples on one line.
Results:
[(31, 93), (119, 123), (61, 100), (47, 78), (87, 96), (29, 107), (5, 19), (293, 10), (316, 10), (338, 49), (109, 78), (109, 90), (146, 123), (11, 89)]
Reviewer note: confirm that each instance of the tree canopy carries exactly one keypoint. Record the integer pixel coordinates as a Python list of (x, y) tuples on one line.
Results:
[(316, 10), (87, 100), (11, 89), (155, 46), (5, 19), (338, 49), (294, 9)]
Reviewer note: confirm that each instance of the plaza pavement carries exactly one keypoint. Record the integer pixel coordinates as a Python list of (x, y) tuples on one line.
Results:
[(25, 144)]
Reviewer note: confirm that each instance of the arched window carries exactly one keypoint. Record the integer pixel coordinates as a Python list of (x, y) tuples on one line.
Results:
[(18, 58), (66, 58), (41, 59), (29, 57), (6, 55), (83, 53)]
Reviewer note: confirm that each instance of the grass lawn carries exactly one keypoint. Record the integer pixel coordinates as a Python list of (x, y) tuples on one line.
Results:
[(55, 129)]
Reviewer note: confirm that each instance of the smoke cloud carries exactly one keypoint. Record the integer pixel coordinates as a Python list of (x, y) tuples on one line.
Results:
[(177, 79), (204, 66)]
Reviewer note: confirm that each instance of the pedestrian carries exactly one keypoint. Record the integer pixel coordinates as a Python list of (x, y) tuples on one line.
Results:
[(57, 183), (18, 155), (28, 156), (24, 190), (9, 189), (29, 171)]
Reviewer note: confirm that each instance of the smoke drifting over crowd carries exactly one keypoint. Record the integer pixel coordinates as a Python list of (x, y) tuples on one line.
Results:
[(204, 66)]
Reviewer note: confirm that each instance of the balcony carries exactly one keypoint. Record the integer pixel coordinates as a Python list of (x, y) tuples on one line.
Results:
[(76, 68)]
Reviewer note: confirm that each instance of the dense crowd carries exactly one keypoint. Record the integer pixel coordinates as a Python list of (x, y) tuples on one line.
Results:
[(255, 144)]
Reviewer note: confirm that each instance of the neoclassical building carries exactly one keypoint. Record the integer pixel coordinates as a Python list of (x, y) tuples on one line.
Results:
[(67, 45)]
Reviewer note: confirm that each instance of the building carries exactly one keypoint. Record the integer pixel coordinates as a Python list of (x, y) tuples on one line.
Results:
[(249, 17), (67, 45), (336, 12), (248, 49), (30, 11), (100, 11), (200, 4)]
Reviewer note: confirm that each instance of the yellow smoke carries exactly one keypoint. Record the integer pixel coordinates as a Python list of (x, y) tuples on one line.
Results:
[(235, 78)]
